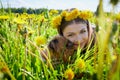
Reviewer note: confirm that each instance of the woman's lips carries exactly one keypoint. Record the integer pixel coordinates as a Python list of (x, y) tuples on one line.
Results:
[(76, 45)]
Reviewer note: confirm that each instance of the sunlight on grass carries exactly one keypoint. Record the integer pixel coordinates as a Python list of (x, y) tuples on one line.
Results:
[(24, 36)]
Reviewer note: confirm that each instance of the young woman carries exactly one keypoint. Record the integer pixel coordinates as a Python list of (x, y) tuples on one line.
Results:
[(75, 27), (74, 31)]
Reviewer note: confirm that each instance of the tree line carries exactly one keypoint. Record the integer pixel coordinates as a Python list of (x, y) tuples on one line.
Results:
[(24, 10)]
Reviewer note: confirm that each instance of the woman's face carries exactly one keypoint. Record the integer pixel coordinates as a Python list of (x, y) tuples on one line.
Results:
[(77, 33)]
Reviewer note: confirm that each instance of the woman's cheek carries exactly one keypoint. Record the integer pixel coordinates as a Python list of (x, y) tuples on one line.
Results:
[(71, 39)]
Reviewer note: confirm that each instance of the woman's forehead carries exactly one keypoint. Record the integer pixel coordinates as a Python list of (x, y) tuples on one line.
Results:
[(75, 27)]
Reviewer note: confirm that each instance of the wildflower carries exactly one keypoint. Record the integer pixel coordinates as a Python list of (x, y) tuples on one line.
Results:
[(80, 64), (85, 14), (53, 12), (4, 17), (72, 15), (19, 21), (40, 40), (69, 74), (56, 21), (50, 14), (64, 13)]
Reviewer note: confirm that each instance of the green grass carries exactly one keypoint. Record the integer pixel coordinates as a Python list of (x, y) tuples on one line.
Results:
[(20, 56)]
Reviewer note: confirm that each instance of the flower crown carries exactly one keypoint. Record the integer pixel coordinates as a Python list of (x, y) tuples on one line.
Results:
[(71, 16)]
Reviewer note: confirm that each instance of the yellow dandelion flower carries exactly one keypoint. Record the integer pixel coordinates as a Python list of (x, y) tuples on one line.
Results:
[(56, 21), (80, 64), (68, 17), (72, 15), (53, 11), (40, 40), (19, 21), (76, 12), (69, 74), (85, 14), (4, 17), (64, 13)]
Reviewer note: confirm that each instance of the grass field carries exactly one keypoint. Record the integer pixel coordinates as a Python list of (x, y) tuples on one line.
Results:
[(23, 36)]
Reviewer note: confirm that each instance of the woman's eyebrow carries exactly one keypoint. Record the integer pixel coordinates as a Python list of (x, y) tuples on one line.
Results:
[(83, 29), (70, 33)]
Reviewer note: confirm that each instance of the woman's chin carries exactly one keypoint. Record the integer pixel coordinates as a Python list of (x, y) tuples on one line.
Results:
[(76, 47)]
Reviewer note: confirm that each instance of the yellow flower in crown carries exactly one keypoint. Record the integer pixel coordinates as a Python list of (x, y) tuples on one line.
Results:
[(64, 13), (85, 14), (53, 11), (56, 21), (68, 16), (69, 74), (72, 15)]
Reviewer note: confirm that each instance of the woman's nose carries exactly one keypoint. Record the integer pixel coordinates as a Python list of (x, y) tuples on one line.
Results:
[(78, 39)]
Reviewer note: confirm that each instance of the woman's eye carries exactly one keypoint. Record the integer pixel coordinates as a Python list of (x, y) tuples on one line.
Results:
[(82, 31), (70, 35)]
